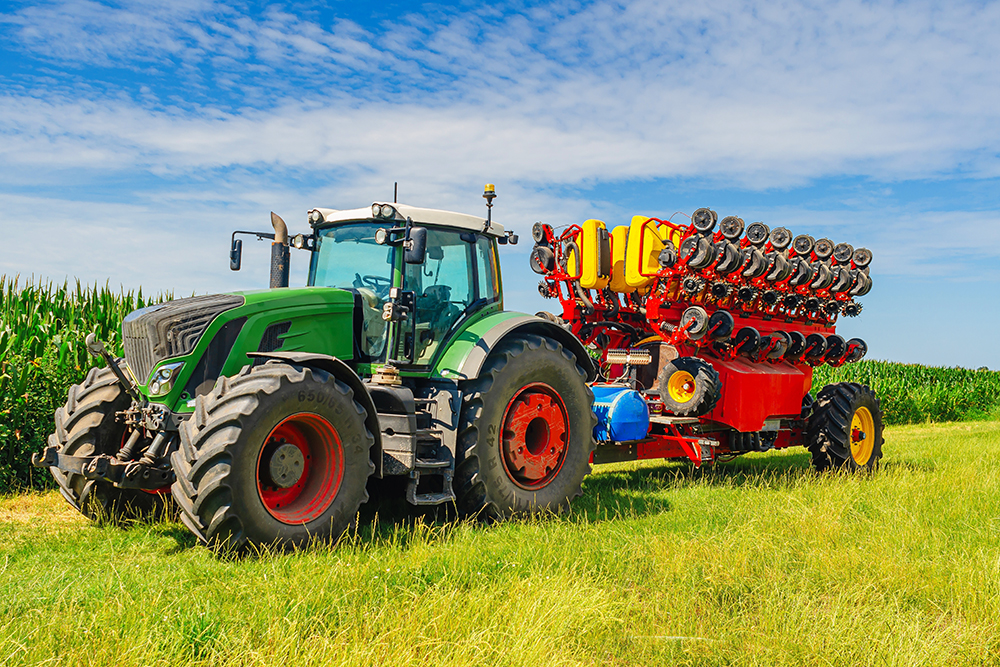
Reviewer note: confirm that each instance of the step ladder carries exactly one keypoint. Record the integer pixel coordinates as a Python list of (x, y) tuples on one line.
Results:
[(432, 460)]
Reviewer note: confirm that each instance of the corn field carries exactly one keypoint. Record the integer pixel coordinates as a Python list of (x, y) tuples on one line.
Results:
[(910, 393), (43, 327)]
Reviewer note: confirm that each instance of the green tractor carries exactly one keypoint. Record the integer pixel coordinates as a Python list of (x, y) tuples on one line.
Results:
[(263, 414)]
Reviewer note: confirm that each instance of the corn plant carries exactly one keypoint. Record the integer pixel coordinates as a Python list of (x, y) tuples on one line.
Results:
[(43, 329)]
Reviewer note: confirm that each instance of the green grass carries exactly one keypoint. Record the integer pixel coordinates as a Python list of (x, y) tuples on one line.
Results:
[(755, 562)]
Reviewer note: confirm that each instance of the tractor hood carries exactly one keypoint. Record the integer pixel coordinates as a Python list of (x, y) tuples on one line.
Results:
[(205, 336)]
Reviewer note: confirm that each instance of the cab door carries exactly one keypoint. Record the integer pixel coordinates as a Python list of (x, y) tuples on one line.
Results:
[(458, 277)]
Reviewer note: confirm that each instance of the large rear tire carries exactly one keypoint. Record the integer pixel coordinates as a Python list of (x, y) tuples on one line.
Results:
[(845, 428), (86, 426), (526, 434), (278, 455)]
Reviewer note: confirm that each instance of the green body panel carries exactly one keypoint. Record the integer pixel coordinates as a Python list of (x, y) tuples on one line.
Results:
[(449, 364), (321, 318)]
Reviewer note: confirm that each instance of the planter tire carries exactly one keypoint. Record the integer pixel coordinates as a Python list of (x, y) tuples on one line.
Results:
[(845, 428), (278, 455), (526, 432), (689, 386), (86, 426)]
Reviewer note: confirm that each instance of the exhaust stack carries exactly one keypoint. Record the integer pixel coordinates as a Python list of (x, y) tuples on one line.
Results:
[(279, 252)]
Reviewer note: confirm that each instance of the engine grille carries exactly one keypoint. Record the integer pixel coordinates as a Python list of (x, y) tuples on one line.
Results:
[(170, 329)]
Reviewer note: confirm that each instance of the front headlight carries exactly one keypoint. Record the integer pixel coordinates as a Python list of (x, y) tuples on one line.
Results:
[(162, 379)]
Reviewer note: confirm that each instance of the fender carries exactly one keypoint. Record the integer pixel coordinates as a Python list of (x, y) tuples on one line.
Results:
[(521, 325), (345, 374)]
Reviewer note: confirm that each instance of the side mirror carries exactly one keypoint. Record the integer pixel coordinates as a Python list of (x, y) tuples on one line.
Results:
[(416, 246), (236, 255)]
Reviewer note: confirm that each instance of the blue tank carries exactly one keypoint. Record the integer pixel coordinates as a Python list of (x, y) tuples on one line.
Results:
[(622, 415)]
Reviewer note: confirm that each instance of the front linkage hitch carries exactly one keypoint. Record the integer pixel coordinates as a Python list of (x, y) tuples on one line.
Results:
[(151, 471)]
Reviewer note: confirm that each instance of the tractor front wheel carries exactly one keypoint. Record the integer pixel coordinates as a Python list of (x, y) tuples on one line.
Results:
[(527, 431), (845, 428), (87, 426), (277, 455)]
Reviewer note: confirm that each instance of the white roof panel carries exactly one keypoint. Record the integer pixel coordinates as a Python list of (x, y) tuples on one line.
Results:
[(422, 216)]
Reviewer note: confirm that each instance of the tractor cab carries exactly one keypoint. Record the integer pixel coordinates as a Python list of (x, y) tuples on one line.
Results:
[(418, 275)]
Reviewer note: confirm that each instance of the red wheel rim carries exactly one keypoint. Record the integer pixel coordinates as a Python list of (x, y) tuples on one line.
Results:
[(322, 468), (535, 436)]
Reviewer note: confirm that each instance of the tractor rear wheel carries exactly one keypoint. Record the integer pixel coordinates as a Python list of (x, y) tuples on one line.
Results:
[(689, 386), (277, 455), (86, 426), (845, 428), (527, 431)]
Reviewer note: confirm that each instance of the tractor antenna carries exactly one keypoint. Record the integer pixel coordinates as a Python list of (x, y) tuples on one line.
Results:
[(395, 191), (489, 194)]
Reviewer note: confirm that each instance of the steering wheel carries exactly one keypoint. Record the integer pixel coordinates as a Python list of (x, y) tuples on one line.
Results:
[(379, 284)]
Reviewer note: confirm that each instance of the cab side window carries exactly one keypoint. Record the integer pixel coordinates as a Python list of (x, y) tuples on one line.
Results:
[(444, 286), (486, 267)]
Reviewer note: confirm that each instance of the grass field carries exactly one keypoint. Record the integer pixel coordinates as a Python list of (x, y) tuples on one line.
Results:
[(755, 562)]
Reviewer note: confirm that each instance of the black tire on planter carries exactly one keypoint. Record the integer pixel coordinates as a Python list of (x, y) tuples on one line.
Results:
[(689, 386), (530, 376), (224, 486), (86, 426), (829, 434)]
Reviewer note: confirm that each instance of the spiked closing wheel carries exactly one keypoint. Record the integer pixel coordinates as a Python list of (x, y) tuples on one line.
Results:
[(746, 293), (692, 285), (852, 309), (720, 290)]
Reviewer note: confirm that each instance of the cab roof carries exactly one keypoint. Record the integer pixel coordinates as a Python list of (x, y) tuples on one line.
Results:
[(422, 216)]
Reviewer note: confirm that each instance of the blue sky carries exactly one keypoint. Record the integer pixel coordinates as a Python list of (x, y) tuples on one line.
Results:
[(134, 136)]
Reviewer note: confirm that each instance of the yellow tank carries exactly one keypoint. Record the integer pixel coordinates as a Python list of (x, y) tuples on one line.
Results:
[(646, 239), (595, 256)]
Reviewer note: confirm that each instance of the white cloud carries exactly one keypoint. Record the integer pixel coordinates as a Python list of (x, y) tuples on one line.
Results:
[(762, 95), (207, 116)]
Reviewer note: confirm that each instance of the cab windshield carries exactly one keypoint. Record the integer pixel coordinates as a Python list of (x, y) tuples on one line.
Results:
[(347, 257)]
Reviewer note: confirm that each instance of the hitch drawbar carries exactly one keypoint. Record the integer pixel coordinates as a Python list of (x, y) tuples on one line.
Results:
[(123, 474)]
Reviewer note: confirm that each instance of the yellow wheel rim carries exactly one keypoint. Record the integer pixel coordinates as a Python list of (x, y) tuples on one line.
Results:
[(862, 436), (680, 386)]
